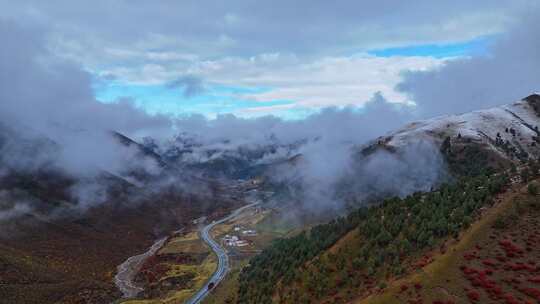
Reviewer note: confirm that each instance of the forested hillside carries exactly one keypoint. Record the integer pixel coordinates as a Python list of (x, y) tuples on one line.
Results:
[(294, 270)]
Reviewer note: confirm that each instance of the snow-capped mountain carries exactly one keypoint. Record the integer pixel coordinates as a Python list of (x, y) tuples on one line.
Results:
[(510, 131)]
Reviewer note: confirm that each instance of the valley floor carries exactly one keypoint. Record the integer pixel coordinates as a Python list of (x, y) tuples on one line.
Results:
[(185, 263)]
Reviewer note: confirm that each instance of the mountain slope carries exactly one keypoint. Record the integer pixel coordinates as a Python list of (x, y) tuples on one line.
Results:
[(354, 255), (509, 131), (362, 253), (495, 261), (57, 247)]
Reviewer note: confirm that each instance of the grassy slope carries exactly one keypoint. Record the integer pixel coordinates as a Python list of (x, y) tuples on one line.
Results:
[(441, 271), (19, 270), (82, 255), (77, 257), (444, 281), (344, 286)]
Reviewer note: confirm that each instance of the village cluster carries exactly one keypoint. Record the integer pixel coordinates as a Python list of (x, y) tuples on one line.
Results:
[(235, 240)]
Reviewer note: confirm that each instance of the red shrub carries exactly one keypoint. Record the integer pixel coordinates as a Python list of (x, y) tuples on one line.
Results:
[(509, 299), (535, 279), (473, 296), (489, 262), (470, 256), (516, 280), (531, 292)]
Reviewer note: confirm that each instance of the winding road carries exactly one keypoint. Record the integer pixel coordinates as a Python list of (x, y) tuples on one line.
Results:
[(223, 258)]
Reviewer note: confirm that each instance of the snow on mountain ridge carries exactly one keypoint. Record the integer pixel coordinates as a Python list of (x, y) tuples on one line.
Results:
[(515, 124)]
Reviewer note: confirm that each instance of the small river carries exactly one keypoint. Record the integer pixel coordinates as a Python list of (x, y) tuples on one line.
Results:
[(124, 279)]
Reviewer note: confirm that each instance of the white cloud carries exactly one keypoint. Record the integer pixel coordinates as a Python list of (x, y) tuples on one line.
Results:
[(509, 73), (329, 81), (337, 81)]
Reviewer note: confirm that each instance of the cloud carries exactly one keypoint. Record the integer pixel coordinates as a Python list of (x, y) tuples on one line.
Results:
[(337, 125), (10, 211), (335, 81), (190, 85), (305, 85), (418, 166), (328, 141), (302, 51), (209, 28), (56, 143), (50, 120), (329, 176), (50, 94), (508, 73)]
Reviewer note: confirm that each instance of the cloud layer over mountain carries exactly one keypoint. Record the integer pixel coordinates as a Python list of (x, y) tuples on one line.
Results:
[(43, 95), (48, 69), (508, 73)]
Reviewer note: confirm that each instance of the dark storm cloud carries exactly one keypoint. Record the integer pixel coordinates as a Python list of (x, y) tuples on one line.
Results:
[(508, 73)]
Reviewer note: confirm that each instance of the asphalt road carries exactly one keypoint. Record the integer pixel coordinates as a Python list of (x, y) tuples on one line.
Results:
[(223, 258)]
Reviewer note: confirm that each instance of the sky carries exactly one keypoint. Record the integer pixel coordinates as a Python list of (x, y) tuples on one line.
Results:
[(251, 58)]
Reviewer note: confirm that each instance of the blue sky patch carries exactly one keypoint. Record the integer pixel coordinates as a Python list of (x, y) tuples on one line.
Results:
[(469, 48), (161, 99)]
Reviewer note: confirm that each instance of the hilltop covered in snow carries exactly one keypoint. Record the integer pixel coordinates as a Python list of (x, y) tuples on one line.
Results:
[(511, 131)]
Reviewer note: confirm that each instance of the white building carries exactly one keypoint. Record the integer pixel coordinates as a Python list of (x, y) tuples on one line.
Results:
[(241, 243), (249, 232), (234, 241)]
